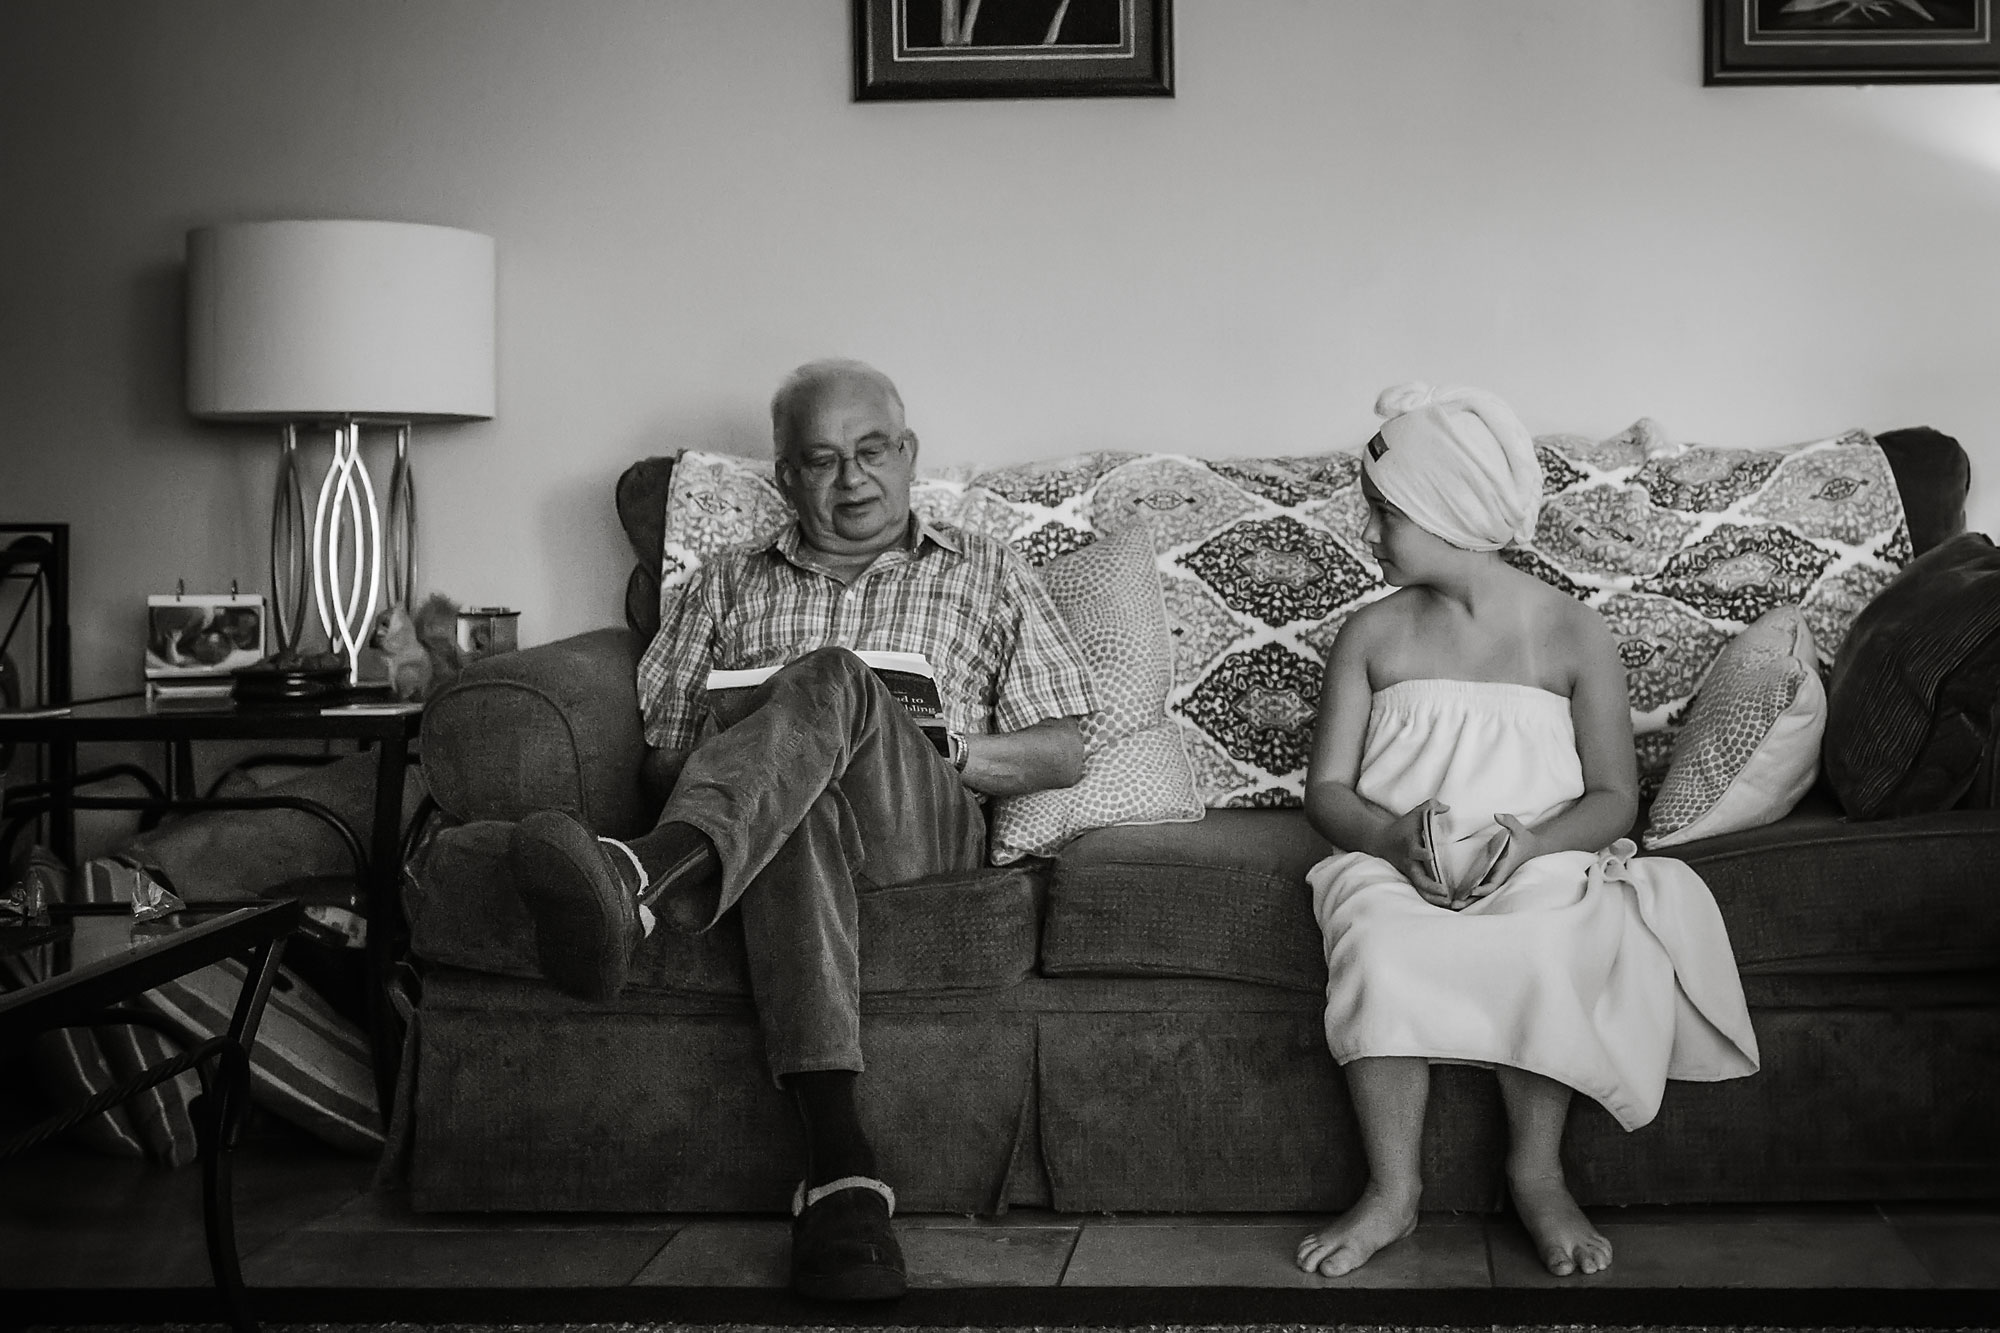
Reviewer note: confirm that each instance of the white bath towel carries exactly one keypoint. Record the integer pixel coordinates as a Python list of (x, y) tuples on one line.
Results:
[(1609, 972), (1458, 462)]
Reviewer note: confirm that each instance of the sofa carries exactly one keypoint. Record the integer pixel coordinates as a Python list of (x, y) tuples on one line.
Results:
[(1134, 1022)]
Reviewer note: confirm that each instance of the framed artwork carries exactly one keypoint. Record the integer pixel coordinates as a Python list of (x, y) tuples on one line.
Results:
[(908, 50), (1851, 41)]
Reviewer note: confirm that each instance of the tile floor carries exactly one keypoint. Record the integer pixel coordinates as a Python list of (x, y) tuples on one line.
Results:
[(307, 1219)]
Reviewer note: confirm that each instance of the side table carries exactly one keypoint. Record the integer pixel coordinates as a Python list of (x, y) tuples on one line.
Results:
[(131, 720), (95, 962)]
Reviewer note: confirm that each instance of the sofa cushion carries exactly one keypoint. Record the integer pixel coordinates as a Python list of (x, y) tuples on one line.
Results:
[(1912, 707), (1811, 893), (1135, 766), (1750, 747), (1223, 898), (944, 934), (1817, 893)]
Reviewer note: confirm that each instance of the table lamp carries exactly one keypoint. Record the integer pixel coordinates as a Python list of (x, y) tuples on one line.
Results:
[(340, 325)]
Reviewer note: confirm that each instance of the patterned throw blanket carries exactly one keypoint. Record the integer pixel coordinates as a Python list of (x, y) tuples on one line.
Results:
[(1679, 547)]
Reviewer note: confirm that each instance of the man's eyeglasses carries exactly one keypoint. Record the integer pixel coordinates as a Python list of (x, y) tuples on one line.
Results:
[(820, 466)]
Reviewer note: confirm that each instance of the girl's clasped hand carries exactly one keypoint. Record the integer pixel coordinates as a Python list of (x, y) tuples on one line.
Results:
[(1412, 849)]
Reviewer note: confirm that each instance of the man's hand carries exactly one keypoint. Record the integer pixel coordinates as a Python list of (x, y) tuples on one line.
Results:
[(1038, 758)]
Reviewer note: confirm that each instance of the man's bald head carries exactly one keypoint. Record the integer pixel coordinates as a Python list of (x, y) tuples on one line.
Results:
[(805, 387)]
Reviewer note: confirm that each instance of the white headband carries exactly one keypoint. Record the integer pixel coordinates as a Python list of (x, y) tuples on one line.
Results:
[(1459, 463)]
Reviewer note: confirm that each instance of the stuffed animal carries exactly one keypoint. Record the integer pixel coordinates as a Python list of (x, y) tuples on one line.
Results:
[(417, 653)]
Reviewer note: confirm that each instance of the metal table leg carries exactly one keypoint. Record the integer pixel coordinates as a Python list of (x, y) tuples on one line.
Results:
[(219, 1120), (386, 926)]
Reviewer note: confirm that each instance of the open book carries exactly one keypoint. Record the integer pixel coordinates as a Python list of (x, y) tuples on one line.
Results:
[(908, 675)]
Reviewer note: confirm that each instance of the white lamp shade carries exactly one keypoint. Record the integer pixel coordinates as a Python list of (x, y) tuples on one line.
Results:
[(293, 321)]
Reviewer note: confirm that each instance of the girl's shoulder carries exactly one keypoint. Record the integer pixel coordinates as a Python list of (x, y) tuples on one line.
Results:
[(1399, 603), (1552, 603), (1385, 615)]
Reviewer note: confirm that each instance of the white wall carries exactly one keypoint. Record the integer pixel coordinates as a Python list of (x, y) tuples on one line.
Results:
[(1537, 196)]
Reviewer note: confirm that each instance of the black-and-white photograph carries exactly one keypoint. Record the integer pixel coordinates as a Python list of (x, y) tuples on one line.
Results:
[(203, 634), (1239, 666)]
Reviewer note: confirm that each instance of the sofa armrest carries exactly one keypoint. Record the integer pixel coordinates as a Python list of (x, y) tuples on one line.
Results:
[(556, 727)]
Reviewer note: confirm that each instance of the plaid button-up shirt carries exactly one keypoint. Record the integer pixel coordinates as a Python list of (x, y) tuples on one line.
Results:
[(1003, 656)]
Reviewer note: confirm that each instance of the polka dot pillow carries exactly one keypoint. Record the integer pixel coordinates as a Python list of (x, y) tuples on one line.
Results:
[(1135, 766), (1750, 745)]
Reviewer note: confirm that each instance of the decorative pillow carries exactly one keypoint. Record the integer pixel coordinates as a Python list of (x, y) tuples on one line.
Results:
[(1749, 748), (1135, 768), (1912, 706)]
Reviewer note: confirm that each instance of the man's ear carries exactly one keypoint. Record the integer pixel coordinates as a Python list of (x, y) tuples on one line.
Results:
[(910, 442), (780, 480)]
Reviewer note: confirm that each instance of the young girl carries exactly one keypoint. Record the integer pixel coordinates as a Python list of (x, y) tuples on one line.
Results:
[(1477, 712)]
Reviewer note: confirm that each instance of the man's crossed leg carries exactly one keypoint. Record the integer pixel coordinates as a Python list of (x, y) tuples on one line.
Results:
[(818, 788)]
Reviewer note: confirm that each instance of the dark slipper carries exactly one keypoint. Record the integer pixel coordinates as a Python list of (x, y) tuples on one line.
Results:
[(842, 1245), (586, 917)]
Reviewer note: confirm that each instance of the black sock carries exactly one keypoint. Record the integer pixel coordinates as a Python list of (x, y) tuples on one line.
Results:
[(682, 868), (836, 1146)]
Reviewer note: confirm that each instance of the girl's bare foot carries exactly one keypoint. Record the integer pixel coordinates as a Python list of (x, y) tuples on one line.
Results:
[(1563, 1236), (1379, 1217)]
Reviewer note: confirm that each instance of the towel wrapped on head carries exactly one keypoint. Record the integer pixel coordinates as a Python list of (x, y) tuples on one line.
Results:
[(1459, 463)]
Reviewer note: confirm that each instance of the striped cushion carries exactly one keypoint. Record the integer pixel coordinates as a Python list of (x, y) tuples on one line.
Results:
[(78, 1063), (70, 1064), (310, 1066)]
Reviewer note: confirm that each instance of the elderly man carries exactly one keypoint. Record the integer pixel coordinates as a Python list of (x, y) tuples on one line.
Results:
[(819, 786)]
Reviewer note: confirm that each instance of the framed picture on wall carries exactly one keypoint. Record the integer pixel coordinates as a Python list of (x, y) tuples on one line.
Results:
[(908, 50), (1851, 41)]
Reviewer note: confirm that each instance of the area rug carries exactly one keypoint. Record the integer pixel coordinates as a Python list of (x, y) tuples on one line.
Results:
[(840, 1328), (1016, 1310)]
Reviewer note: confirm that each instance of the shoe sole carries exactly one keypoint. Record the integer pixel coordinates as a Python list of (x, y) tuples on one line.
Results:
[(870, 1283), (577, 932)]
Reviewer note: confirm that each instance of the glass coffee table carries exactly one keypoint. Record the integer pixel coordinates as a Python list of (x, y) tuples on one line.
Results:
[(90, 963)]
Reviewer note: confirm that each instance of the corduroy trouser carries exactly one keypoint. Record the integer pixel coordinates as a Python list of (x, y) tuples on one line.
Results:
[(819, 788)]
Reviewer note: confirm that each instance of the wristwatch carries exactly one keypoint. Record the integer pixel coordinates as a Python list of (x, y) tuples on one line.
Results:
[(955, 748)]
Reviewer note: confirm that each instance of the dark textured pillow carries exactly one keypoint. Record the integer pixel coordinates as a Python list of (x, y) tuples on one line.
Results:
[(642, 510), (1932, 476), (1911, 709)]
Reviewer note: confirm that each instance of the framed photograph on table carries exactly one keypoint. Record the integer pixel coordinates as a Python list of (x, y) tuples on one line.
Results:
[(192, 635), (908, 50), (1850, 41)]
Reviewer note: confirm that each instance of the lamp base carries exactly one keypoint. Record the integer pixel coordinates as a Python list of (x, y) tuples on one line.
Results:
[(313, 678)]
